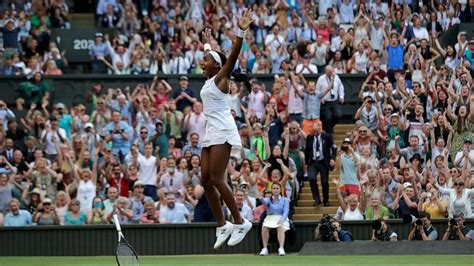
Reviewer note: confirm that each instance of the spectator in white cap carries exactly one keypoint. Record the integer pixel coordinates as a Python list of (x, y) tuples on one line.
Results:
[(406, 202)]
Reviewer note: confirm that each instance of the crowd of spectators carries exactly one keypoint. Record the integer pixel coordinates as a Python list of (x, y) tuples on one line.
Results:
[(137, 152), (27, 46)]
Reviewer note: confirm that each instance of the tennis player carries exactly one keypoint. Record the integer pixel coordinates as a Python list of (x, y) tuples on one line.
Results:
[(221, 135)]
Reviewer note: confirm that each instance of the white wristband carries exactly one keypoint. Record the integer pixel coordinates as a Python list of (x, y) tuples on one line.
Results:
[(207, 46), (240, 33)]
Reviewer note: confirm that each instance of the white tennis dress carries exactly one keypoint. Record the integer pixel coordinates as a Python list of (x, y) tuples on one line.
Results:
[(220, 125)]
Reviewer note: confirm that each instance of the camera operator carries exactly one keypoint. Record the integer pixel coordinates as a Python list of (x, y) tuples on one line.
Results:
[(422, 229), (457, 229), (330, 230), (381, 232)]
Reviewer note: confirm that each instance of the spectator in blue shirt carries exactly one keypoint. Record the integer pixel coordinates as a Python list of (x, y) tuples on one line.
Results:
[(118, 132), (9, 69), (17, 217), (98, 52), (10, 34), (137, 200), (174, 213), (194, 147), (394, 52), (121, 105), (184, 96), (278, 208)]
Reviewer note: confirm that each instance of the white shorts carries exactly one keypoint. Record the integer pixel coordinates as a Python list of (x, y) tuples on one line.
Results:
[(216, 137)]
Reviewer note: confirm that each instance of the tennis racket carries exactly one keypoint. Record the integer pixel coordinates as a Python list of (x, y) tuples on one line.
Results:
[(125, 254)]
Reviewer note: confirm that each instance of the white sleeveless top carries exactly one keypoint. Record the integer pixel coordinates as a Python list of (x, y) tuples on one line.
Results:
[(353, 215), (220, 125), (85, 195)]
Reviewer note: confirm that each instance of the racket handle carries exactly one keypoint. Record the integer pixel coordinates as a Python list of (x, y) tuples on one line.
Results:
[(117, 223)]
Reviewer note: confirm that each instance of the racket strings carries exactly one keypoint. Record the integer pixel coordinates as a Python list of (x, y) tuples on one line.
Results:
[(126, 256)]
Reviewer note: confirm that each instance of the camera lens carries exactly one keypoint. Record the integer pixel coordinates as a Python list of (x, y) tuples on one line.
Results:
[(453, 222)]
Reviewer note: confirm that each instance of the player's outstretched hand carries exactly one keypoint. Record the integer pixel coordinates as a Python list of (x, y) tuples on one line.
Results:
[(246, 19)]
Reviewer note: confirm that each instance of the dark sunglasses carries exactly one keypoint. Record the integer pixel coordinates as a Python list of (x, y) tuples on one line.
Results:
[(143, 132), (459, 184)]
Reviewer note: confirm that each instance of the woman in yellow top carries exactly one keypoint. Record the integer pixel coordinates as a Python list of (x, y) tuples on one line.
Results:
[(432, 204)]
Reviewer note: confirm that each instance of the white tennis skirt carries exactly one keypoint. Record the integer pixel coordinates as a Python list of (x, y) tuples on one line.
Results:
[(271, 221), (216, 137)]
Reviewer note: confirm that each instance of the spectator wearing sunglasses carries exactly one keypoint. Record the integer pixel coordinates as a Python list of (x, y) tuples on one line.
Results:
[(459, 198)]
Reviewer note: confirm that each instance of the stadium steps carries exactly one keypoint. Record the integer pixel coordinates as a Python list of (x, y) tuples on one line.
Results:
[(82, 21), (305, 211)]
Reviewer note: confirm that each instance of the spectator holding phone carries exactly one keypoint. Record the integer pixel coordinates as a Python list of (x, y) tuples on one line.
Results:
[(97, 215)]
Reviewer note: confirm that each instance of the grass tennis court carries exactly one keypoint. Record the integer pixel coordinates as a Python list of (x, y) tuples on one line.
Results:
[(245, 260)]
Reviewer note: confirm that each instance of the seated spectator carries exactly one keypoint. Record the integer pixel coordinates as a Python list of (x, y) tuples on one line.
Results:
[(75, 216), (173, 181), (110, 18), (61, 204), (174, 212), (243, 204), (6, 189), (137, 200), (277, 217), (422, 229), (97, 214), (150, 215), (123, 211), (31, 199), (52, 69), (17, 217), (46, 215), (112, 196), (9, 69), (376, 210)]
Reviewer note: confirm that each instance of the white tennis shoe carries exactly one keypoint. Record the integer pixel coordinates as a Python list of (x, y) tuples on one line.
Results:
[(239, 232), (281, 252), (264, 252), (223, 233)]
